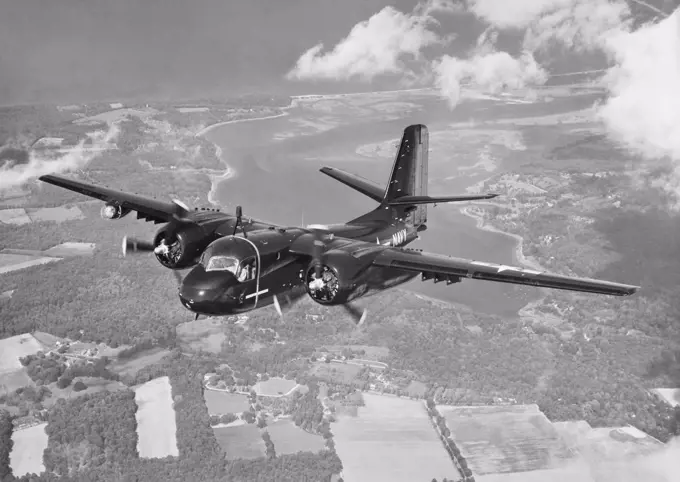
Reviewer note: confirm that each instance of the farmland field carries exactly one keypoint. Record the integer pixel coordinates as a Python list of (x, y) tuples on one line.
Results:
[(240, 442), (219, 403), (202, 335), (94, 385), (274, 387), (290, 439), (396, 435), (503, 439), (14, 262), (336, 372), (372, 352), (156, 425), (58, 214), (133, 365), (10, 381), (15, 347), (27, 453), (14, 216), (71, 249)]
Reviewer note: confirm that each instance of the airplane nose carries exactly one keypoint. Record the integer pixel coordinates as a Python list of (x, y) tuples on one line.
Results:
[(202, 291)]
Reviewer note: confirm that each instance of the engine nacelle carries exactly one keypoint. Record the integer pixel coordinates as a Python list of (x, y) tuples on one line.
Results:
[(338, 281), (114, 211), (180, 246)]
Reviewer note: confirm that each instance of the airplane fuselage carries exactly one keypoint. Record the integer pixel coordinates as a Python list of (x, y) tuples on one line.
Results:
[(280, 273)]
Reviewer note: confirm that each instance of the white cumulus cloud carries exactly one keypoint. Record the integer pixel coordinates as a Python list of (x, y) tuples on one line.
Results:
[(14, 174), (375, 46), (489, 71), (643, 108), (515, 14)]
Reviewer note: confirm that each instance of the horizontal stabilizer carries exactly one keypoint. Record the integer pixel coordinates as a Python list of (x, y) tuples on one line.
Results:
[(358, 183), (413, 200)]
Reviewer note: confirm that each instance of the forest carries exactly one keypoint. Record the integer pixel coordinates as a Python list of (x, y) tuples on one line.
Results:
[(601, 372), (5, 445), (91, 420)]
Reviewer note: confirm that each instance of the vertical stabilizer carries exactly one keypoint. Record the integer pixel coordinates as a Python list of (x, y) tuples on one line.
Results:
[(409, 172)]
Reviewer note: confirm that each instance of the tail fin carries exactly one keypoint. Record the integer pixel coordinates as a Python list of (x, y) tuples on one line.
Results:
[(409, 174), (405, 197)]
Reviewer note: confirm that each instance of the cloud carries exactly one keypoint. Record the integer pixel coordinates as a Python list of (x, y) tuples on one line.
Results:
[(583, 25), (376, 46), (490, 71), (643, 108), (15, 173), (517, 14)]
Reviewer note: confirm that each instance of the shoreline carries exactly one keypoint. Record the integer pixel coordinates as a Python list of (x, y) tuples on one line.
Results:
[(526, 311), (207, 129), (295, 101), (519, 253)]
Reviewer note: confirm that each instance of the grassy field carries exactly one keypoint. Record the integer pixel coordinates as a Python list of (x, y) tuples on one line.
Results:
[(14, 262), (220, 403), (15, 216), (156, 425), (15, 347), (241, 442), (133, 365), (372, 352), (94, 385), (201, 335), (289, 439), (274, 386), (10, 381), (27, 453), (504, 439), (71, 249), (335, 372), (398, 439), (58, 214)]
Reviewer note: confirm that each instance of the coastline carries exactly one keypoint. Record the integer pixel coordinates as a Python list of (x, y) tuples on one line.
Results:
[(207, 129), (528, 311), (215, 180), (519, 253)]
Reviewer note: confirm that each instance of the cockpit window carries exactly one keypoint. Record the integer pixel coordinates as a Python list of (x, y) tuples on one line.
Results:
[(222, 263)]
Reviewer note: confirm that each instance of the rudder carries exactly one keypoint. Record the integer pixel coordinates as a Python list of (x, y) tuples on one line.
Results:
[(409, 172)]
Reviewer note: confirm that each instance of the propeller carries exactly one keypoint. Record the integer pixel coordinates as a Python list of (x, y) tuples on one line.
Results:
[(132, 245), (358, 315)]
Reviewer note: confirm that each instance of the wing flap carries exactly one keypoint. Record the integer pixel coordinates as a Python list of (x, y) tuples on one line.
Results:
[(146, 208), (434, 264)]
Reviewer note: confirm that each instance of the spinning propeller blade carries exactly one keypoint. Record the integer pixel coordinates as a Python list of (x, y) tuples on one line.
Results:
[(358, 315), (278, 306), (132, 245)]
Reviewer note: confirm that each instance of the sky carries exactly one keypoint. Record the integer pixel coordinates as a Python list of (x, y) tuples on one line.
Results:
[(75, 49), (85, 50)]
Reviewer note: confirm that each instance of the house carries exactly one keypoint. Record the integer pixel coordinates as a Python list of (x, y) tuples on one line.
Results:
[(116, 105)]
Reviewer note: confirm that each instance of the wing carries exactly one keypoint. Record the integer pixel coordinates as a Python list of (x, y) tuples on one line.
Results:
[(146, 208), (452, 269)]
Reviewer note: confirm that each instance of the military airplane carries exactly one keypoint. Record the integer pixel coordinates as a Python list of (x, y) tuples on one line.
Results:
[(242, 264)]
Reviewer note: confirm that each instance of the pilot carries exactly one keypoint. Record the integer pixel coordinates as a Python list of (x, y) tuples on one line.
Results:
[(242, 274)]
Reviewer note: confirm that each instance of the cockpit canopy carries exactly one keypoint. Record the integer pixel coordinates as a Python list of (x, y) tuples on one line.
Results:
[(231, 254)]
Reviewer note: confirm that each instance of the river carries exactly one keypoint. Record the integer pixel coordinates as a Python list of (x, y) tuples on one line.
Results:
[(277, 180)]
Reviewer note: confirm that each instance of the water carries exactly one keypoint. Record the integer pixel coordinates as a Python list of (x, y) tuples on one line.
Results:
[(278, 181)]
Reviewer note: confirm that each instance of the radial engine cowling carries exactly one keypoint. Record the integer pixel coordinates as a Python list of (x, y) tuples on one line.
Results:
[(114, 211), (338, 281), (179, 246)]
